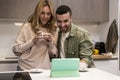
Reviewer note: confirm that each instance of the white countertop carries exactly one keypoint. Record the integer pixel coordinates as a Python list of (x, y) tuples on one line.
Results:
[(92, 74)]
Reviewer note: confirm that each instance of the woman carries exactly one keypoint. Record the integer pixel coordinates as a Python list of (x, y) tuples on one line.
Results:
[(36, 39)]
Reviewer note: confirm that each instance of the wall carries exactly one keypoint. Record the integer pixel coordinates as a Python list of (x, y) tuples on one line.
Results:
[(8, 32)]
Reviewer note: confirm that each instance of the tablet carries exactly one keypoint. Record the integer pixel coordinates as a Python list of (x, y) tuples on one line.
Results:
[(65, 67)]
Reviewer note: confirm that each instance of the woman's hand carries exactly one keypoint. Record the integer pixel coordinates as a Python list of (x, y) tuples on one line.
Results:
[(37, 37), (42, 35), (48, 37)]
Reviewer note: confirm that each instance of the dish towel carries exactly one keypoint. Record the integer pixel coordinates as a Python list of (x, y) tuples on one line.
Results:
[(112, 38)]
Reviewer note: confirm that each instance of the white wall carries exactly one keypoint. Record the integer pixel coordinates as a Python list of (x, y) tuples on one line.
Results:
[(8, 32)]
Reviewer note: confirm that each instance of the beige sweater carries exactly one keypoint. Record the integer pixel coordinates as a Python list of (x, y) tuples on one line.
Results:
[(32, 56)]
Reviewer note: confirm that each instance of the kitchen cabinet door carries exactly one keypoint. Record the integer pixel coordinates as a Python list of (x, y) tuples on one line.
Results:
[(17, 9), (78, 7), (54, 4), (102, 10), (107, 65), (8, 66), (8, 9), (88, 10), (25, 8)]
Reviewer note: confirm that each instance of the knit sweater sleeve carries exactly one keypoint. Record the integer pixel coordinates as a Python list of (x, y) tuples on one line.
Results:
[(22, 43)]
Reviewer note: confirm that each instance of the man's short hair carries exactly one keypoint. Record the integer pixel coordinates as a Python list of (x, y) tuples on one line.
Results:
[(63, 9)]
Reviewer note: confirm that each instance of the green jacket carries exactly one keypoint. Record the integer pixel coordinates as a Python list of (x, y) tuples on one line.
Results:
[(77, 45)]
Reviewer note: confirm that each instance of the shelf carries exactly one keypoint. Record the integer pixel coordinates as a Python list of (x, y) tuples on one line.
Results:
[(9, 60), (103, 57)]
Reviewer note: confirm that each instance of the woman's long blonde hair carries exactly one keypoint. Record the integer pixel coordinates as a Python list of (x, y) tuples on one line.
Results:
[(34, 18)]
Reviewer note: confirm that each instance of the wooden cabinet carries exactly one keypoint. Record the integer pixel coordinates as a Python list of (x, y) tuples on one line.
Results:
[(26, 8), (86, 10), (8, 9), (83, 10), (17, 9), (54, 4), (8, 66), (107, 65)]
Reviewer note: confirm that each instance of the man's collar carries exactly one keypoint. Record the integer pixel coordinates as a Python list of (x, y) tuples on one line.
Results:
[(72, 30)]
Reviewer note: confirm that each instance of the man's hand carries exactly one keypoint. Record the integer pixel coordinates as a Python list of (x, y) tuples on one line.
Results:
[(83, 65)]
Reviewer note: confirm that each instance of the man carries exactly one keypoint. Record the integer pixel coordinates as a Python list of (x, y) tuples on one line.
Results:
[(73, 41)]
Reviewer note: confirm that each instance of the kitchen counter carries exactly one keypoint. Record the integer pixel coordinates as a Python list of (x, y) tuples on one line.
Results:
[(9, 59), (104, 57), (8, 64), (91, 74)]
